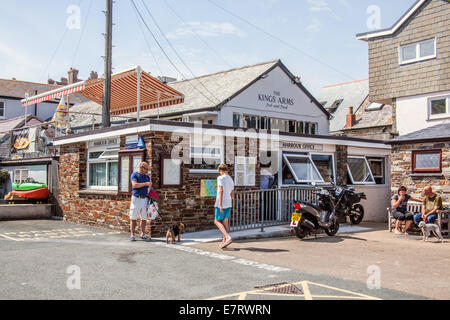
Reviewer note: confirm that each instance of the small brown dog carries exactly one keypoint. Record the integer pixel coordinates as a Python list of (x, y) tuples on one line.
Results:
[(175, 231)]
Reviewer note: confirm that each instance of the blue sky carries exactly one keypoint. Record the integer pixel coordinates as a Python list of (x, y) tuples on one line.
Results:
[(35, 41)]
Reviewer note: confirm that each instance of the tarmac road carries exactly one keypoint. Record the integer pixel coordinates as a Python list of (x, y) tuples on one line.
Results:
[(59, 260)]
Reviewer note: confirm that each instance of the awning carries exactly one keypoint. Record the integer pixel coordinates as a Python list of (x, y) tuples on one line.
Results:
[(124, 92)]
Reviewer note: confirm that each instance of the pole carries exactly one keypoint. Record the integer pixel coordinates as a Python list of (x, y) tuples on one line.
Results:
[(108, 61), (138, 103)]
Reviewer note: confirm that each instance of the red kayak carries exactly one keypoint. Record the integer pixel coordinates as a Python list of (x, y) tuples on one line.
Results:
[(41, 193)]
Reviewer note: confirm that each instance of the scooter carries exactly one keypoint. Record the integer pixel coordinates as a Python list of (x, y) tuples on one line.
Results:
[(309, 217)]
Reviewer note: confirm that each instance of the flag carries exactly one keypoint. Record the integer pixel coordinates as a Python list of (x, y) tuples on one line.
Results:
[(60, 118)]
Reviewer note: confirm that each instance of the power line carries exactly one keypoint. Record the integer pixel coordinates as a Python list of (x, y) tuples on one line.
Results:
[(82, 33), (198, 36), (279, 39), (165, 54), (176, 52), (148, 44)]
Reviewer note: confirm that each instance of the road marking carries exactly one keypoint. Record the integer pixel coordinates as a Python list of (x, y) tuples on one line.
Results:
[(308, 293), (39, 235), (5, 236)]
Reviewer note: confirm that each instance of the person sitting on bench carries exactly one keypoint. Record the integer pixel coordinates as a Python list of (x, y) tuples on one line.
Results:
[(399, 209), (431, 203)]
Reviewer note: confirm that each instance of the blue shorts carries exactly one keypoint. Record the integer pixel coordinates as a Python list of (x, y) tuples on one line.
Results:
[(222, 216)]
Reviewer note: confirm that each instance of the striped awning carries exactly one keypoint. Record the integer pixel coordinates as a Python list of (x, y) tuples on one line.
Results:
[(50, 95), (153, 93)]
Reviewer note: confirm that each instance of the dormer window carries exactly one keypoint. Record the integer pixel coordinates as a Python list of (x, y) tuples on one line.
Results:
[(335, 105), (419, 51)]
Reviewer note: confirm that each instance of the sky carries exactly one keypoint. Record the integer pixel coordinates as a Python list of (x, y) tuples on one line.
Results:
[(315, 39)]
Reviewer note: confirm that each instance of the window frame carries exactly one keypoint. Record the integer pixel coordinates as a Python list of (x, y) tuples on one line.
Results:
[(128, 153), (107, 161), (413, 161), (245, 171), (447, 107), (221, 147), (382, 160), (368, 167), (297, 180), (332, 162), (3, 116), (418, 57)]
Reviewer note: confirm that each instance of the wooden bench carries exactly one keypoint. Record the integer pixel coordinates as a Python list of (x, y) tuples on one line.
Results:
[(415, 207)]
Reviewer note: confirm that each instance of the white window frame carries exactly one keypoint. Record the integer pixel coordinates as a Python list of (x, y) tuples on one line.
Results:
[(297, 180), (4, 109), (222, 156), (107, 160), (418, 57), (20, 172), (333, 163), (439, 116), (368, 167), (382, 160)]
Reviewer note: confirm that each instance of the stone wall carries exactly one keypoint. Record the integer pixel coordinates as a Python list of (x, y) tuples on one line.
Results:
[(401, 170), (107, 209), (389, 79)]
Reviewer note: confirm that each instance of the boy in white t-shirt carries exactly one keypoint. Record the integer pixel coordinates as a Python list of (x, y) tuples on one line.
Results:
[(224, 202)]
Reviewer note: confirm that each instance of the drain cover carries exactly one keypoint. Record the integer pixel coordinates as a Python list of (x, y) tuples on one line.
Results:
[(283, 288)]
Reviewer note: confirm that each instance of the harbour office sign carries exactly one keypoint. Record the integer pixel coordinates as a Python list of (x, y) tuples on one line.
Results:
[(302, 146), (275, 100)]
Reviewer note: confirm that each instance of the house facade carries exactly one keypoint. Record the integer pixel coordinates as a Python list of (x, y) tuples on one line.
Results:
[(409, 67)]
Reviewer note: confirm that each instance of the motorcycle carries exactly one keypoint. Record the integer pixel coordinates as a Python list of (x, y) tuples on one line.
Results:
[(347, 203), (309, 217)]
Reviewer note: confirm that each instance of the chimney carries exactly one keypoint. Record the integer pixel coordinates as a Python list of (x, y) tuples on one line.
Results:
[(51, 81), (63, 81), (351, 118), (93, 75), (73, 75)]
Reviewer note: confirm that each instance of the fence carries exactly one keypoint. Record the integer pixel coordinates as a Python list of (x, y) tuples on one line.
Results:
[(264, 208)]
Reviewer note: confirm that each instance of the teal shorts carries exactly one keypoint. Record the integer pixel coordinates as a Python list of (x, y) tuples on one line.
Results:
[(222, 216)]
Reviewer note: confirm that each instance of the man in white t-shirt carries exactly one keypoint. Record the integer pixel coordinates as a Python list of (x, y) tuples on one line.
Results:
[(224, 202)]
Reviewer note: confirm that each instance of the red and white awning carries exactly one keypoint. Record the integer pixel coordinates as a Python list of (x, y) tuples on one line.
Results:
[(124, 91), (50, 95)]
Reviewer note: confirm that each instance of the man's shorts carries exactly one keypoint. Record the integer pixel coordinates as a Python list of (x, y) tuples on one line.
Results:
[(138, 208), (222, 216)]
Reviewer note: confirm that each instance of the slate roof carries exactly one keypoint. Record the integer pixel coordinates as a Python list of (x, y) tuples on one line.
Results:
[(353, 94), (437, 132), (202, 93), (373, 118)]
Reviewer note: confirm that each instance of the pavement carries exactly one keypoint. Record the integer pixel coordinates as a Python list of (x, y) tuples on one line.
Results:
[(269, 232)]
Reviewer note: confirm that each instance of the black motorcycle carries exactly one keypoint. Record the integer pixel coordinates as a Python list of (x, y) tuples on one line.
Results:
[(347, 203), (309, 217)]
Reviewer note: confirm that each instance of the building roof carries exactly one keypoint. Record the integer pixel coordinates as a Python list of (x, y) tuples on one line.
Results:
[(349, 94), (437, 132), (373, 115), (10, 124), (397, 25), (17, 89), (207, 92)]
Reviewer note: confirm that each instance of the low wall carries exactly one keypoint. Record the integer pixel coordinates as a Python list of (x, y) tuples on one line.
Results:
[(25, 211), (378, 199)]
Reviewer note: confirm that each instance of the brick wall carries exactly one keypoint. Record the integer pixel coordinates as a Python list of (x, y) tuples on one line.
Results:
[(401, 170), (107, 209), (389, 80)]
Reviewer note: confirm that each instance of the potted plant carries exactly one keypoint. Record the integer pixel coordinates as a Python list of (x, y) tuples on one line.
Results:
[(4, 177)]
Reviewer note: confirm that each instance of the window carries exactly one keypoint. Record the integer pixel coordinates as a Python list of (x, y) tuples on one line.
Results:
[(206, 154), (359, 171), (301, 168), (245, 171), (236, 120), (102, 170), (374, 106), (417, 51), (325, 166), (307, 127), (335, 105), (438, 107), (128, 163), (427, 161), (250, 122), (171, 171), (377, 166), (20, 175), (2, 109)]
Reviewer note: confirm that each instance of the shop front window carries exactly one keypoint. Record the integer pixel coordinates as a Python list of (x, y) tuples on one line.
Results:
[(102, 164), (206, 154), (359, 171)]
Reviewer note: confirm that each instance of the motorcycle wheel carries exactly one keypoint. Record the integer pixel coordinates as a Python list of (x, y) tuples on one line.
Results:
[(300, 233), (333, 229), (357, 214)]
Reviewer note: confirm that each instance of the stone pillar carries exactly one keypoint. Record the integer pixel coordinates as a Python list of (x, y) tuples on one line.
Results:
[(341, 165)]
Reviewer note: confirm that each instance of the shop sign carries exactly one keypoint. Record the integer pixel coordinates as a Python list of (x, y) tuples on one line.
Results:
[(131, 142), (276, 100), (301, 146)]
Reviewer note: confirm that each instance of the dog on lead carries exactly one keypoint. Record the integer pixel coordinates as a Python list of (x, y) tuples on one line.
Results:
[(427, 228), (175, 231)]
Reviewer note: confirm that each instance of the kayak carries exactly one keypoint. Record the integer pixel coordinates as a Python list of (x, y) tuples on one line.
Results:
[(28, 186), (41, 193)]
